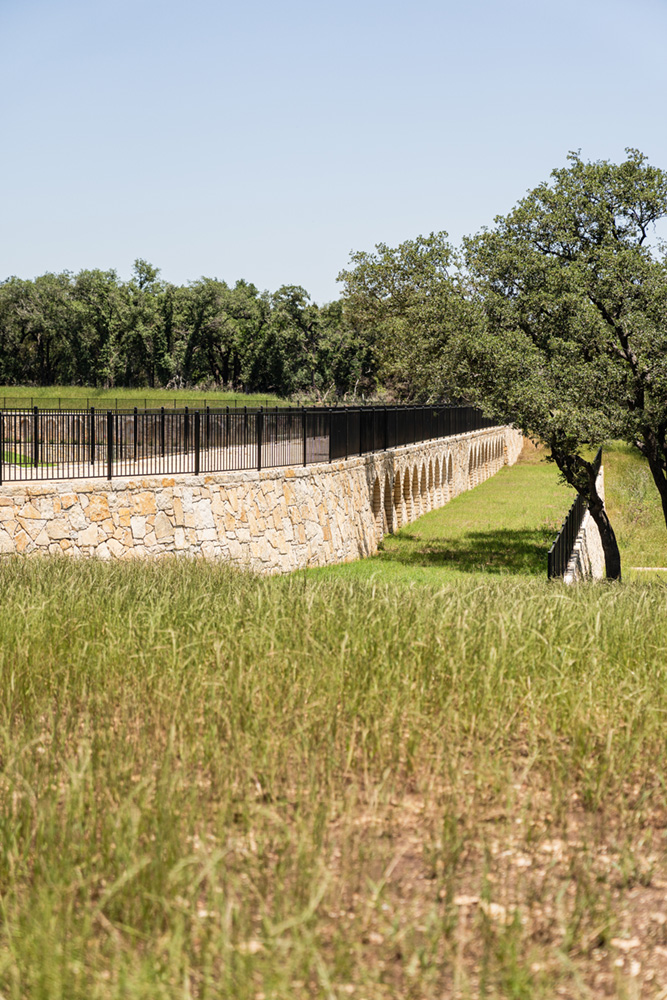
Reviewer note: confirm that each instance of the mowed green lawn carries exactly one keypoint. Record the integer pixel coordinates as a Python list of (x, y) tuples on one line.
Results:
[(506, 525), (60, 396)]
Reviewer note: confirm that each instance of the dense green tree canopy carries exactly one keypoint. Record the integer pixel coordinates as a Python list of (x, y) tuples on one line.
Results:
[(572, 342), (94, 329), (405, 303), (557, 321)]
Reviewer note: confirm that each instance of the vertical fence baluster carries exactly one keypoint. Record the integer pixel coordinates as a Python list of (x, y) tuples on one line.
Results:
[(197, 431), (35, 437), (136, 428), (304, 434), (109, 444), (259, 418)]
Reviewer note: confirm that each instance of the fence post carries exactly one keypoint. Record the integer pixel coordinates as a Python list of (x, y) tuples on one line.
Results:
[(186, 430), (259, 417), (303, 431), (208, 427), (109, 444), (197, 430), (136, 428), (162, 431), (35, 436), (92, 435)]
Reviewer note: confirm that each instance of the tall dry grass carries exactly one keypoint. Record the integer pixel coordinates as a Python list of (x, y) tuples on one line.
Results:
[(213, 785)]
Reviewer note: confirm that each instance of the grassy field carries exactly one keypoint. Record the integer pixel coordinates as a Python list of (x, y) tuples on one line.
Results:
[(219, 786), (505, 526), (60, 397), (635, 511)]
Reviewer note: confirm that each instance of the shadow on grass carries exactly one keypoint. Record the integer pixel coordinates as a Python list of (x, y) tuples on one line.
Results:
[(501, 551)]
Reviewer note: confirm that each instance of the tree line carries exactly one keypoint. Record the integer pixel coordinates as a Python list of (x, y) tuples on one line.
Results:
[(93, 329)]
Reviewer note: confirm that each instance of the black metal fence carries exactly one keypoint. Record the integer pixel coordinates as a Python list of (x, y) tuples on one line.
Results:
[(560, 552), (70, 444)]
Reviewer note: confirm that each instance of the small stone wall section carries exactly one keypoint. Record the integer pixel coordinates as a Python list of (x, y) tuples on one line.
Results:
[(587, 559), (273, 521)]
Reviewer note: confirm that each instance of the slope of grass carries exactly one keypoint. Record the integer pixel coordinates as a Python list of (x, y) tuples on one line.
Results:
[(213, 785), (635, 511), (504, 526)]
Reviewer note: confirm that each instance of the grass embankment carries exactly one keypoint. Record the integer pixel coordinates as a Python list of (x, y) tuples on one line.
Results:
[(506, 526), (635, 511), (213, 785), (62, 396)]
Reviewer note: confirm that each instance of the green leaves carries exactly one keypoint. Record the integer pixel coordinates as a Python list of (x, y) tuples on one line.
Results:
[(406, 302)]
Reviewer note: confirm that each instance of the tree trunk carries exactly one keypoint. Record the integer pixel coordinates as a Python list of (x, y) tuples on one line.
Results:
[(654, 455), (612, 557)]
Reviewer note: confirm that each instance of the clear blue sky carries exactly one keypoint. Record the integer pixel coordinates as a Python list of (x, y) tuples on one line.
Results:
[(266, 141)]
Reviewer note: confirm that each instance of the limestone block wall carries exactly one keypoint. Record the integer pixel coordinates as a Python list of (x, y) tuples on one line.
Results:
[(276, 520), (587, 559)]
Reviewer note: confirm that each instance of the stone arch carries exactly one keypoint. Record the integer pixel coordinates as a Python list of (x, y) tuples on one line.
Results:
[(437, 487), (416, 505), (471, 468), (376, 503), (77, 428), (407, 496), (423, 491), (388, 505), (49, 429), (398, 499), (432, 500), (24, 428)]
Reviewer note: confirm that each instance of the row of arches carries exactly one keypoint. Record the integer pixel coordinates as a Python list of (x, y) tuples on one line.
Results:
[(484, 460), (414, 489)]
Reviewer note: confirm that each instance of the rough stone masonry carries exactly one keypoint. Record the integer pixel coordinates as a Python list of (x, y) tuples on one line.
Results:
[(272, 521)]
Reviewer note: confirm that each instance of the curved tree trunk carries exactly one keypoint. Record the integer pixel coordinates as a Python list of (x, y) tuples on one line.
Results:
[(612, 557), (656, 462)]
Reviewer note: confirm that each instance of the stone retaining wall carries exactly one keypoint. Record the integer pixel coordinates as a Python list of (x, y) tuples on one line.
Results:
[(276, 520), (587, 559)]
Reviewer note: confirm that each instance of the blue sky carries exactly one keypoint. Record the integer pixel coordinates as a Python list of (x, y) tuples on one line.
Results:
[(266, 141)]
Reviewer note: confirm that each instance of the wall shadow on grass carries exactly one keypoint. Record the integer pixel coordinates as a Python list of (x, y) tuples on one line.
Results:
[(501, 551)]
